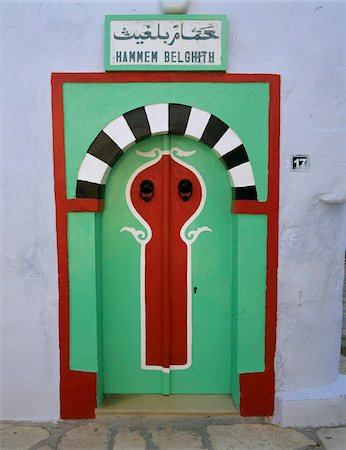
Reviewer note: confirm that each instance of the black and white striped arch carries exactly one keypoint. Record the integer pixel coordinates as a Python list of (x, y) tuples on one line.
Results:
[(164, 118)]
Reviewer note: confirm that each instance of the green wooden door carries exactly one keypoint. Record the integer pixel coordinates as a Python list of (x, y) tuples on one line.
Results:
[(209, 281)]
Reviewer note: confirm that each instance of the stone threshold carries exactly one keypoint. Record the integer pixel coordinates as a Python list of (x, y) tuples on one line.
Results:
[(156, 404)]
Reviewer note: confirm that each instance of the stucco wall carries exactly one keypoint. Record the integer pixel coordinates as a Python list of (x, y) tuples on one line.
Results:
[(302, 42)]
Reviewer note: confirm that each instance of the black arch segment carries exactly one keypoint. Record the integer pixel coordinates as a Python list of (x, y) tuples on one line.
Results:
[(85, 189), (246, 193), (104, 148), (235, 157), (138, 122), (214, 131), (178, 116)]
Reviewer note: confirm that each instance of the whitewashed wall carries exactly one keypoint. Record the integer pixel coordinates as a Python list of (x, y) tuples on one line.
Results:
[(303, 42)]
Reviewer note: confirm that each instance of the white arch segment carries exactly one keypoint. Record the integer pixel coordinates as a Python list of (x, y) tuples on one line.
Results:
[(229, 141), (119, 131), (197, 123), (93, 170), (158, 118), (242, 175)]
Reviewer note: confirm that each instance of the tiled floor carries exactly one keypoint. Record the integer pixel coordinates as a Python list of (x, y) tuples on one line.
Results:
[(167, 433)]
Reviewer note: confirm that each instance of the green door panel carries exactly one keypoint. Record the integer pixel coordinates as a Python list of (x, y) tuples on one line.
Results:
[(211, 275), (121, 286)]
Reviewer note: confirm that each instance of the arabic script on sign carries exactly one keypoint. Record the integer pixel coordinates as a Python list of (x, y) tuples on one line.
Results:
[(155, 42), (200, 34)]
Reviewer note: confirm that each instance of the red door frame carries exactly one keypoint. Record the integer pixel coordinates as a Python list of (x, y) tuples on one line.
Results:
[(78, 389)]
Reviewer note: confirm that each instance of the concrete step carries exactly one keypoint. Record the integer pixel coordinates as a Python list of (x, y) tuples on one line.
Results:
[(138, 404)]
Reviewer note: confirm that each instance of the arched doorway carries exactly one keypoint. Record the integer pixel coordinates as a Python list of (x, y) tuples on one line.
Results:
[(83, 104)]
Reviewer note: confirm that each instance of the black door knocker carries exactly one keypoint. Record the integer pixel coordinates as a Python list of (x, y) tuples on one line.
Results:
[(185, 189), (146, 190)]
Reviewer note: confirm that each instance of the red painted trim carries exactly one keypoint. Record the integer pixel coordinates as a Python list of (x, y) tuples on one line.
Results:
[(150, 77), (165, 220), (258, 389), (250, 207), (84, 205), (78, 389)]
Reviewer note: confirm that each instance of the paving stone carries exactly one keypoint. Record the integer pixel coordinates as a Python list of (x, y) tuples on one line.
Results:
[(126, 439), (333, 438), (21, 437), (169, 439), (92, 436), (254, 437)]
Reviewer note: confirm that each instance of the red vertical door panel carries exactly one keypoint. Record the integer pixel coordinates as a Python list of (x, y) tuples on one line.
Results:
[(166, 209)]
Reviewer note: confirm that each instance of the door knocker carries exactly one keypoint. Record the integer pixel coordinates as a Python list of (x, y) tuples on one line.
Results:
[(185, 189), (146, 190)]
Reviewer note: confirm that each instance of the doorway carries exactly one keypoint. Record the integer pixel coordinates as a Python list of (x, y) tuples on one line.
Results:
[(166, 258), (98, 121)]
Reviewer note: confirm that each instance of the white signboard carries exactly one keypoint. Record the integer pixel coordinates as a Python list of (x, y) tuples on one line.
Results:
[(165, 43)]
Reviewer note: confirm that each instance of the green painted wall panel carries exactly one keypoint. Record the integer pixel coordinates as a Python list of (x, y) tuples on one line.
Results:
[(235, 386), (99, 307), (252, 241), (82, 279), (89, 107)]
